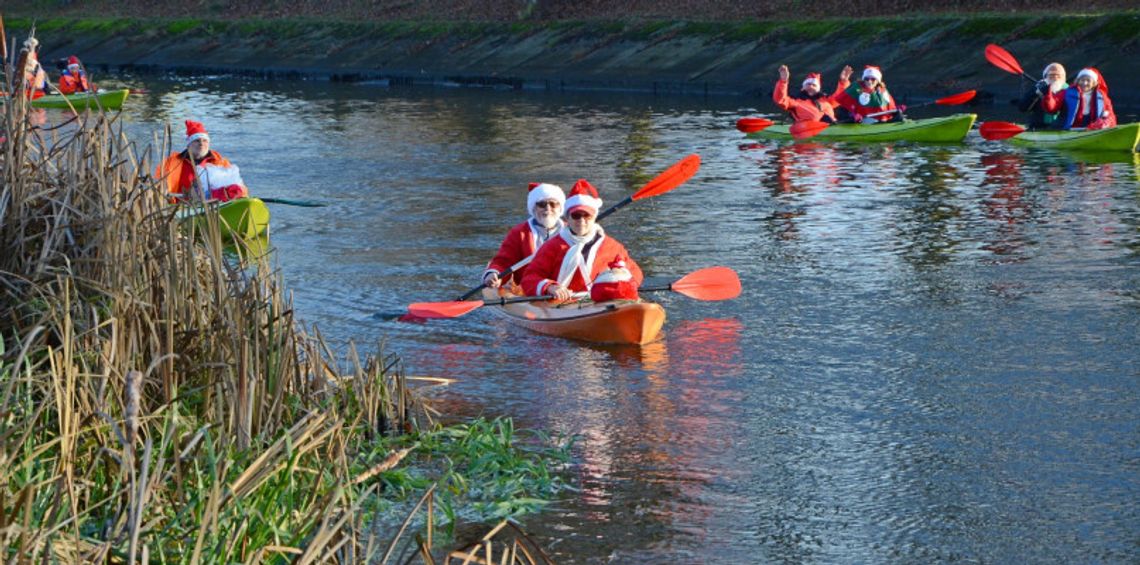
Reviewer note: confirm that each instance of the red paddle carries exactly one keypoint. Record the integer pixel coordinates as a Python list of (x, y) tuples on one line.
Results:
[(669, 179), (713, 283), (752, 125), (1002, 59), (994, 131)]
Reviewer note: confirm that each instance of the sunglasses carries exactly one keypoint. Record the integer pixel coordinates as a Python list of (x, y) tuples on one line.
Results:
[(581, 215), (546, 204)]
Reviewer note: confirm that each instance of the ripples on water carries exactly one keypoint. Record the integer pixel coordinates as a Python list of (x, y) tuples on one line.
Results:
[(934, 357)]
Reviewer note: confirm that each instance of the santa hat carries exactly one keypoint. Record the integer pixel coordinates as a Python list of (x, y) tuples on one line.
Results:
[(539, 191), (871, 71), (73, 61), (31, 43), (1058, 66), (1098, 81), (195, 130), (583, 195), (617, 272), (812, 78)]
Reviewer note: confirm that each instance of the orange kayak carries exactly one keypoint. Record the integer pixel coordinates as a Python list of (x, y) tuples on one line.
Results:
[(618, 321)]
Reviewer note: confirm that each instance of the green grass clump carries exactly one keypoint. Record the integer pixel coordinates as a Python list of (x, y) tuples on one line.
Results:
[(180, 26), (1058, 28), (1122, 27), (986, 26)]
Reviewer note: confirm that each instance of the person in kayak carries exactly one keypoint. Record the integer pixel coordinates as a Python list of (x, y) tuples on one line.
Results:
[(1052, 81), (869, 96), (35, 79), (544, 203), (1084, 105), (811, 103), (74, 79), (199, 173), (570, 261)]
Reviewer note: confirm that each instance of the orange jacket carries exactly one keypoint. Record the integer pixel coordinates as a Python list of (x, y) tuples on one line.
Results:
[(178, 173), (807, 110), (70, 84)]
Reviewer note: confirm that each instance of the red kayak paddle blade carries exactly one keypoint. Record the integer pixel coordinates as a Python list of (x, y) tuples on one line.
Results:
[(713, 283), (1003, 60), (443, 309), (993, 131), (806, 129), (752, 125), (671, 178), (955, 99)]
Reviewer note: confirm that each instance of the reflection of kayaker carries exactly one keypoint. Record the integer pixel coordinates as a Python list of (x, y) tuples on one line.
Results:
[(1085, 104), (199, 173)]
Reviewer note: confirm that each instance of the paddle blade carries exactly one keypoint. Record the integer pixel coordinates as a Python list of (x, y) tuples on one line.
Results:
[(443, 309), (752, 125), (806, 129), (994, 131), (671, 178), (1003, 60), (713, 283), (955, 99)]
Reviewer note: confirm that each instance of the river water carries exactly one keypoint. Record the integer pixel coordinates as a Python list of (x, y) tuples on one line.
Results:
[(934, 358)]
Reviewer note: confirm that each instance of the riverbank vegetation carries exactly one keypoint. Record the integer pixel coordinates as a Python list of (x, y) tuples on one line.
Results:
[(159, 402)]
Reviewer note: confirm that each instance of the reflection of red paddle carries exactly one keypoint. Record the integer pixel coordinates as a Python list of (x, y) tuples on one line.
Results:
[(752, 125), (994, 131), (713, 283)]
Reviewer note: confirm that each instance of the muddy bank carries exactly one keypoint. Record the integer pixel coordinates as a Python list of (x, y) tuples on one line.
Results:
[(923, 57)]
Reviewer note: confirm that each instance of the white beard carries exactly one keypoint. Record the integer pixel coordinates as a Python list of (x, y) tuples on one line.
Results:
[(547, 222)]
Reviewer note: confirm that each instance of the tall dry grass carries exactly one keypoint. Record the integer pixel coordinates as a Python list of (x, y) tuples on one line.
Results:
[(158, 400)]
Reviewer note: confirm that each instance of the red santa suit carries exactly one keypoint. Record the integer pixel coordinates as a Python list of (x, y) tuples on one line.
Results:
[(525, 238), (861, 101), (571, 260)]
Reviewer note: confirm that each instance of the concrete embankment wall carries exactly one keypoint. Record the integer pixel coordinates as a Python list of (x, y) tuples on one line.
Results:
[(923, 57)]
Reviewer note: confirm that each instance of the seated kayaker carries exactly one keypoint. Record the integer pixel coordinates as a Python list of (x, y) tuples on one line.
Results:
[(569, 262), (35, 79), (869, 96), (811, 103), (1052, 81), (544, 203), (198, 173), (1084, 105), (74, 79)]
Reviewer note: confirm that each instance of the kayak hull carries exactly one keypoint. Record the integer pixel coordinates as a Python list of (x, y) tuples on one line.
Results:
[(1120, 138), (948, 129), (630, 322), (242, 218), (110, 100)]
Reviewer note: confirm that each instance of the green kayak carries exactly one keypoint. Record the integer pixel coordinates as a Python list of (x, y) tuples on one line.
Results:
[(108, 100), (949, 129), (242, 218), (1120, 138)]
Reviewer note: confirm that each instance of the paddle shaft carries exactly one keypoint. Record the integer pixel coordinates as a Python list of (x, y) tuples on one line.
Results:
[(287, 202)]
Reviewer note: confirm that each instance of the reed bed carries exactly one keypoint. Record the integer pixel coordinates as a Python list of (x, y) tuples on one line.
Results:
[(158, 400)]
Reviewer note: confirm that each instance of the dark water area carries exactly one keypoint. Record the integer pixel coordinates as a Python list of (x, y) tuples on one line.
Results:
[(934, 358)]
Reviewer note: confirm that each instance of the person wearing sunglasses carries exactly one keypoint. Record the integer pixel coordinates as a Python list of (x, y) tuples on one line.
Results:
[(811, 103), (869, 96), (544, 204), (571, 261)]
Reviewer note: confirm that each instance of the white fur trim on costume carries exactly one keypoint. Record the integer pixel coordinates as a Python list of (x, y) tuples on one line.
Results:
[(212, 176), (1088, 73), (190, 139), (872, 73), (808, 81), (542, 192), (573, 261), (584, 200)]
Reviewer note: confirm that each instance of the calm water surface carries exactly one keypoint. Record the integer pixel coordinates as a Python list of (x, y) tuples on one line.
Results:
[(935, 356)]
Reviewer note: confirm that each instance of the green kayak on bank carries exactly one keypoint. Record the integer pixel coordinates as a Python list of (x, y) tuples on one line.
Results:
[(242, 218), (108, 100), (1120, 138), (949, 129)]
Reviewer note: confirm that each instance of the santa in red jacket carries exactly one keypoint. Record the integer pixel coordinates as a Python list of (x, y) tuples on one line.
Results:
[(571, 260), (544, 202)]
